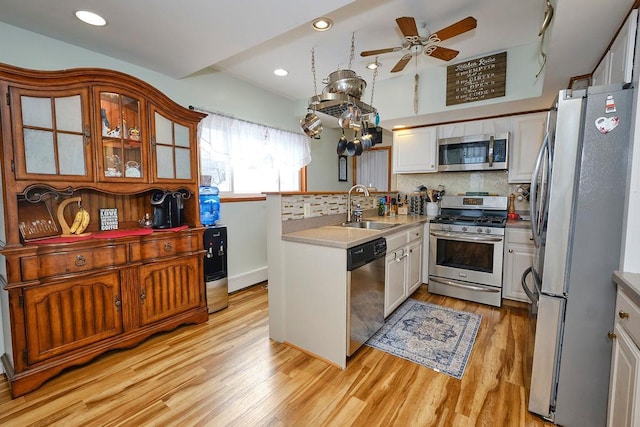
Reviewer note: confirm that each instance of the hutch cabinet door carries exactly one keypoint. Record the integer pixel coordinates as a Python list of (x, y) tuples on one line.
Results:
[(51, 132), (69, 315), (169, 288), (174, 144), (123, 148)]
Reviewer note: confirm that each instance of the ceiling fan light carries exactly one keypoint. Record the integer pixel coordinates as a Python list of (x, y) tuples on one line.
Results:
[(91, 18), (280, 72), (322, 24), (373, 65)]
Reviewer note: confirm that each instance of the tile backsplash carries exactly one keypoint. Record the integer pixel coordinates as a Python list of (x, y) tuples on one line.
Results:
[(462, 182), (323, 204), (293, 206)]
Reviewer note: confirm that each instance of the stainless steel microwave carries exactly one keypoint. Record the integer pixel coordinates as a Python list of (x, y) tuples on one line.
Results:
[(476, 152)]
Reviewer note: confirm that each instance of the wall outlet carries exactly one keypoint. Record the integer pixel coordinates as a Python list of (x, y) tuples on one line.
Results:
[(306, 209)]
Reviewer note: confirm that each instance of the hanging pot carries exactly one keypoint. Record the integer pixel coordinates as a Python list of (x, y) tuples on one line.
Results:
[(349, 117), (354, 147), (339, 75), (342, 144), (311, 125), (353, 87)]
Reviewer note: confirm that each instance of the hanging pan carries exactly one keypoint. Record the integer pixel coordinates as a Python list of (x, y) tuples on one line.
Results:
[(342, 144), (311, 125)]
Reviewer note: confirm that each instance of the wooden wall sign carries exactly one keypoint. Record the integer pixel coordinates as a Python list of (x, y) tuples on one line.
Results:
[(477, 79)]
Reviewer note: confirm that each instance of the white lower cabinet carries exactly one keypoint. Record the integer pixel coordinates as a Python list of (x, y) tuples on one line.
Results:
[(394, 289), (519, 251), (624, 399), (403, 273), (415, 267)]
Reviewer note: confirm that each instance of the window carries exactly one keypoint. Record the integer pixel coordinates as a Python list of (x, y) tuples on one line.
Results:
[(248, 158)]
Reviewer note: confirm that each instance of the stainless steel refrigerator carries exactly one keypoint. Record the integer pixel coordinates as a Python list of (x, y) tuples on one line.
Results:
[(578, 196)]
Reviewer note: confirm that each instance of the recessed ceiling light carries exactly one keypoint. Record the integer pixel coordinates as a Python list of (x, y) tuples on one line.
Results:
[(322, 24), (281, 72), (373, 65), (91, 18)]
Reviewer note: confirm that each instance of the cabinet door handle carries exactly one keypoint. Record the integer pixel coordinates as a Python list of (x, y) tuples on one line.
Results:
[(143, 296), (623, 314), (611, 335), (80, 261), (87, 134), (168, 247), (510, 251), (118, 302)]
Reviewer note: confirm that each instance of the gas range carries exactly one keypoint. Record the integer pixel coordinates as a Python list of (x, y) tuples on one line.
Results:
[(472, 214), (466, 248)]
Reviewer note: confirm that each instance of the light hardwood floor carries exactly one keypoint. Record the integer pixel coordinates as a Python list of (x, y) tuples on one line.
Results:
[(228, 372)]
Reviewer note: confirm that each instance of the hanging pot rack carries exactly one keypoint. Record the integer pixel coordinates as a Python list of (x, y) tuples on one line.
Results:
[(334, 103)]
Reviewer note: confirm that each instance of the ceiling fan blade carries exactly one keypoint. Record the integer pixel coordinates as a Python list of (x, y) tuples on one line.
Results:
[(402, 63), (462, 26), (443, 53), (408, 27), (380, 51)]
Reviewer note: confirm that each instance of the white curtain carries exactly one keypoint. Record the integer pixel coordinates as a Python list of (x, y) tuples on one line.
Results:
[(240, 142), (373, 169)]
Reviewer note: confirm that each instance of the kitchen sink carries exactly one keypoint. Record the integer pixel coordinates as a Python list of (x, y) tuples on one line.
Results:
[(372, 225)]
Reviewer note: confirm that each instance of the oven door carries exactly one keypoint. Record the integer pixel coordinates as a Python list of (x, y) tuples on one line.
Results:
[(475, 258)]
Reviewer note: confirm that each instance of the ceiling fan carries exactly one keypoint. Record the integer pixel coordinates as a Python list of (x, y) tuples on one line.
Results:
[(429, 44)]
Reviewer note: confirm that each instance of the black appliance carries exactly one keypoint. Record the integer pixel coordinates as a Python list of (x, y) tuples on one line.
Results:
[(215, 267), (168, 209)]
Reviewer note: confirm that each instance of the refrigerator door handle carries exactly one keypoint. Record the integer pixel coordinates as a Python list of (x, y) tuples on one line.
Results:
[(534, 192), (532, 294)]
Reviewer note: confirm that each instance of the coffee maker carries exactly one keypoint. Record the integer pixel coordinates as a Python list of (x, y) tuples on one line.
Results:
[(168, 209)]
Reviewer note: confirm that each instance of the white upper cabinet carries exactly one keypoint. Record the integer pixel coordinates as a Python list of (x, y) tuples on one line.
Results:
[(622, 50), (415, 150), (617, 64), (527, 136), (474, 127), (602, 74)]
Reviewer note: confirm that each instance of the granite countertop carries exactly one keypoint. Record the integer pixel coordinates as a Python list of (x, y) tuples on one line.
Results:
[(630, 283), (338, 236)]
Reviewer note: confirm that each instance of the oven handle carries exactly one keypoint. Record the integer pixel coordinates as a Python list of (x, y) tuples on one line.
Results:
[(465, 286), (466, 237)]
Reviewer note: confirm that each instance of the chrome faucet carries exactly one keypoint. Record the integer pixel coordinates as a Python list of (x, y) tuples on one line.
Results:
[(349, 208)]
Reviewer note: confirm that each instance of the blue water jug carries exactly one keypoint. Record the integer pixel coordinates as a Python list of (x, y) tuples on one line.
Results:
[(209, 205)]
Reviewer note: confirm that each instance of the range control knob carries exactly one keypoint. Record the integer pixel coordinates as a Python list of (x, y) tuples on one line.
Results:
[(487, 230), (464, 228), (479, 230)]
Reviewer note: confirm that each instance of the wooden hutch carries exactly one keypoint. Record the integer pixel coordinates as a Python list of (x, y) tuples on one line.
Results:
[(114, 142)]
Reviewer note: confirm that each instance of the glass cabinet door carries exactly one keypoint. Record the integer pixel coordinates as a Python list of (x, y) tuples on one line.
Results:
[(121, 136), (52, 134), (172, 145)]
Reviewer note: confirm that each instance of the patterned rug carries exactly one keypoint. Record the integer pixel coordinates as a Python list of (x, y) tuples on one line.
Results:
[(437, 337)]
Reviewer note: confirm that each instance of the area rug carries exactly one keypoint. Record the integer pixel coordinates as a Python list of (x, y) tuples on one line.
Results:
[(437, 337)]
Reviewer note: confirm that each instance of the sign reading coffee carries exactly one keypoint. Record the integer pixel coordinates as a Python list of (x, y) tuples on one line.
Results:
[(477, 79)]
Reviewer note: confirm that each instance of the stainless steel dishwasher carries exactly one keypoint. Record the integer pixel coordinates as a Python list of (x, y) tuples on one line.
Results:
[(365, 292)]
